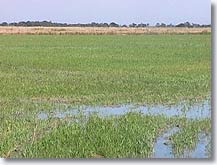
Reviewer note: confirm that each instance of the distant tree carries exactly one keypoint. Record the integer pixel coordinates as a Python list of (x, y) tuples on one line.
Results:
[(124, 26), (94, 24), (133, 25), (157, 25), (195, 25), (4, 24), (160, 25), (180, 25), (22, 23), (105, 25), (13, 24), (113, 24), (185, 24), (170, 25), (163, 25), (141, 25)]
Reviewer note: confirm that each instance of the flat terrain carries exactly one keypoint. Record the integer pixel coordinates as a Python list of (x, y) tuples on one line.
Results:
[(47, 72), (102, 30), (105, 69)]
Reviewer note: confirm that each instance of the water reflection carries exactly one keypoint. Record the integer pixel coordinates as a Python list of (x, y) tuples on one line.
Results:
[(197, 111)]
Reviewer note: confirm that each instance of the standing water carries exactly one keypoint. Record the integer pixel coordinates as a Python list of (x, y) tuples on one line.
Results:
[(197, 111), (162, 147)]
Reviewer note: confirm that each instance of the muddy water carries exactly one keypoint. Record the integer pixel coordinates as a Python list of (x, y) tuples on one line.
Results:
[(162, 147)]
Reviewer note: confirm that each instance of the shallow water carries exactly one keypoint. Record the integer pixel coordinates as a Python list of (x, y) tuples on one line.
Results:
[(197, 111), (202, 148), (162, 147)]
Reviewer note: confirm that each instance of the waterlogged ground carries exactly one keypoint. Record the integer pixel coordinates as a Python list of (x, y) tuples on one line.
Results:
[(46, 81), (127, 131), (163, 147), (197, 111)]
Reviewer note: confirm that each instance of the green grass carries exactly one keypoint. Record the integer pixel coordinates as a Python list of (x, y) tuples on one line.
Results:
[(129, 136), (105, 69), (188, 137), (42, 72)]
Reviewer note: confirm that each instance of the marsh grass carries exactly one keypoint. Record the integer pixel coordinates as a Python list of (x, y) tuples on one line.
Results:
[(128, 136), (17, 133), (41, 72), (188, 137)]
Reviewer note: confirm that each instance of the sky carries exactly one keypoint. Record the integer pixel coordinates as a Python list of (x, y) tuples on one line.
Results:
[(119, 11)]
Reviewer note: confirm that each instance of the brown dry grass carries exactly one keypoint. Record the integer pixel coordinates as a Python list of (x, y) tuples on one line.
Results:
[(102, 30)]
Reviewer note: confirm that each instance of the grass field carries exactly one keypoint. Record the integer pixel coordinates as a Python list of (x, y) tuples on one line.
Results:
[(129, 136), (44, 72)]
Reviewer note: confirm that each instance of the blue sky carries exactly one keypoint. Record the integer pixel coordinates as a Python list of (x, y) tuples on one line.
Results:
[(119, 11)]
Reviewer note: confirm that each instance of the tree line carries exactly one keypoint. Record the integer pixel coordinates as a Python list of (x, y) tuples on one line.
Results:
[(94, 24)]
